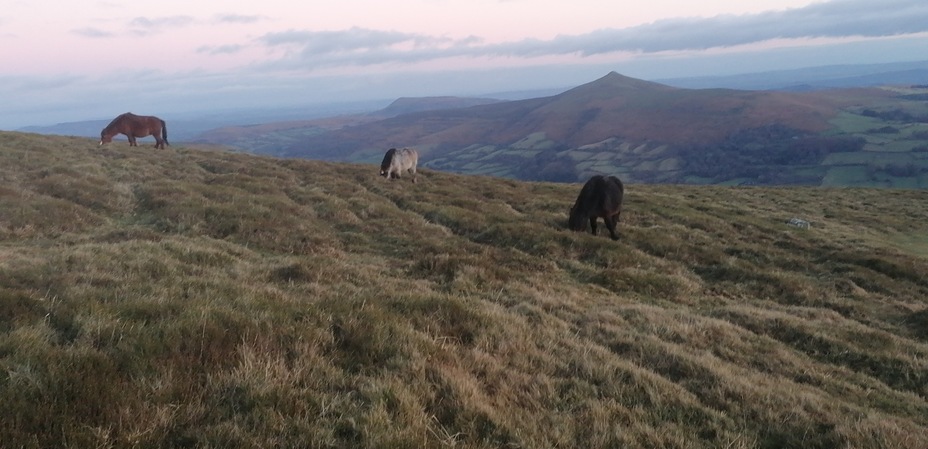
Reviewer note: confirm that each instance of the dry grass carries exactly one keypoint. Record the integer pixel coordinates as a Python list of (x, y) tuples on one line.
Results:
[(187, 298)]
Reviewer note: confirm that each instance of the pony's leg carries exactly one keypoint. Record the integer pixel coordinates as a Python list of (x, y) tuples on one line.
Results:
[(593, 225), (413, 171), (159, 142), (131, 140)]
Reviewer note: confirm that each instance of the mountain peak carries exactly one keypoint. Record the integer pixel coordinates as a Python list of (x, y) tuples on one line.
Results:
[(615, 80), (613, 84)]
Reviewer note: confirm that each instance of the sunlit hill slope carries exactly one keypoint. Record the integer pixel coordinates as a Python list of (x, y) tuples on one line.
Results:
[(192, 298)]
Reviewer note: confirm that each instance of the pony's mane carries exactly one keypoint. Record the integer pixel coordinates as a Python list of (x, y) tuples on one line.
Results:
[(388, 159), (118, 119)]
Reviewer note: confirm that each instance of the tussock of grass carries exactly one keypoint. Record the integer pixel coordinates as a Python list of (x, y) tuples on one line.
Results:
[(186, 298)]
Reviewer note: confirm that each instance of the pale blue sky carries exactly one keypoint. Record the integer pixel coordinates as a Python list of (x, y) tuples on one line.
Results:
[(89, 59)]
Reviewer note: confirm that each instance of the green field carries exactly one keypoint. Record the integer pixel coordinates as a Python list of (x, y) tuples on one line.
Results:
[(894, 153), (870, 158)]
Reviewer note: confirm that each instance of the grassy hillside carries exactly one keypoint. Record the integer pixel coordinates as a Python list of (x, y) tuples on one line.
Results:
[(191, 298)]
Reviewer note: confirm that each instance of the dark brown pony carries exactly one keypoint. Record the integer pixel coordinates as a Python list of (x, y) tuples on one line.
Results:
[(398, 161), (136, 126), (600, 197)]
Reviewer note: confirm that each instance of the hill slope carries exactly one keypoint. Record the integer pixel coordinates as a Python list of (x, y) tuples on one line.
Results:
[(649, 132), (269, 138), (186, 298), (614, 105)]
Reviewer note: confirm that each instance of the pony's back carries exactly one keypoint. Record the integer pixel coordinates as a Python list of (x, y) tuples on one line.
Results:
[(600, 197), (397, 161), (409, 158)]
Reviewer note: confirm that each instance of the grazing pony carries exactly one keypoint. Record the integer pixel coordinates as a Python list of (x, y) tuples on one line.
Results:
[(136, 126), (600, 197), (398, 161)]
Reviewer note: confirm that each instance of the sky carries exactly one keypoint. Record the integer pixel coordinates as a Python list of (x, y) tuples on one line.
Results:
[(94, 59)]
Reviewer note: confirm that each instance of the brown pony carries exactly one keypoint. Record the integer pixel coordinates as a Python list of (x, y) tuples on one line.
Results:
[(398, 161), (136, 126), (599, 197)]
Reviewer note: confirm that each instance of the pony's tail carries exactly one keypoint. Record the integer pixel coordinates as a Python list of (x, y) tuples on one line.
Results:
[(164, 132)]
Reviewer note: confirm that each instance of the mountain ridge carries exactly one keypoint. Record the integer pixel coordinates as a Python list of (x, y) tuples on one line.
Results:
[(610, 106), (651, 132)]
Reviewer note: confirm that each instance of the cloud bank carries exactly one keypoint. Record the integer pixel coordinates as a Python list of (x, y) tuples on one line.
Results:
[(301, 66), (837, 19)]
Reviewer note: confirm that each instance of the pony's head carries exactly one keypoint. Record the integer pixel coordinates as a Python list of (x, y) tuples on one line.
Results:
[(387, 161), (105, 137), (576, 221)]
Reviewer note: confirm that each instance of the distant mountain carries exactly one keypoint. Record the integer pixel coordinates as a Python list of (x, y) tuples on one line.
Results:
[(178, 129), (614, 106), (269, 138), (650, 132), (187, 125), (814, 78), (408, 105), (90, 128)]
